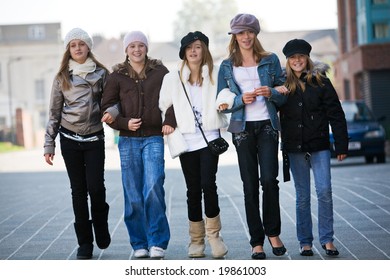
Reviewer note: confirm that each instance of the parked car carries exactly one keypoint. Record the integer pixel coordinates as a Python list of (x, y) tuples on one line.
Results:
[(366, 135)]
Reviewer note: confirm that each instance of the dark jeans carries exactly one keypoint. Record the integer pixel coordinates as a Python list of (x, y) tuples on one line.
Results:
[(258, 145), (200, 169), (85, 166)]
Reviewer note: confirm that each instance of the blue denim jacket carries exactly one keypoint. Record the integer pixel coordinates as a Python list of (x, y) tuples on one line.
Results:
[(270, 73)]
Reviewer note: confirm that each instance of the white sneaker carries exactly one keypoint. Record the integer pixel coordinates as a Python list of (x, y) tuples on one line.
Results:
[(157, 252), (141, 253)]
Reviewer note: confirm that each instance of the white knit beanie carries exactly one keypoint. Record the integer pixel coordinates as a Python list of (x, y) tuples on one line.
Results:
[(134, 36), (78, 33)]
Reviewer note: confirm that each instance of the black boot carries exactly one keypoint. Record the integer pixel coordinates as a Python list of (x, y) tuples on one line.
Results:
[(100, 226), (85, 239)]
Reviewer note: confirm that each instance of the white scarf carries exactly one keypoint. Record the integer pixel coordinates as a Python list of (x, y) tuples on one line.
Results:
[(82, 70)]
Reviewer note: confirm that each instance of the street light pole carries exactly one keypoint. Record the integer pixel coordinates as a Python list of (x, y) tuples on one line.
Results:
[(12, 124)]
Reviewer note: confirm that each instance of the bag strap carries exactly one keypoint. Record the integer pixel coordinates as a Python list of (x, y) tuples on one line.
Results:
[(196, 119)]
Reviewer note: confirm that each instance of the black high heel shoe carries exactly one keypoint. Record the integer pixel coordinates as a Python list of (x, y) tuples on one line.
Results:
[(330, 252), (278, 251), (306, 253), (258, 255)]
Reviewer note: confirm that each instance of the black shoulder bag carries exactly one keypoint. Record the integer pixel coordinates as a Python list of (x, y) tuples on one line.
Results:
[(217, 146)]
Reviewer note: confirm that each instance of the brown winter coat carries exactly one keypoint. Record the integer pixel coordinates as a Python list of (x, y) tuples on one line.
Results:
[(137, 98)]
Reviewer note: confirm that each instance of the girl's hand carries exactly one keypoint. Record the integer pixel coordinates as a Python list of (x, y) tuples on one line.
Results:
[(263, 91), (49, 158), (134, 124), (341, 157), (107, 118), (223, 106), (282, 89), (167, 129), (248, 97)]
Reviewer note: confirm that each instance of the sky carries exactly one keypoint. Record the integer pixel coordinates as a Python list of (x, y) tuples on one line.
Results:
[(155, 17)]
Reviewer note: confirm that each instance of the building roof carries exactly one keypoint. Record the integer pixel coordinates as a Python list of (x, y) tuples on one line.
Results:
[(30, 33)]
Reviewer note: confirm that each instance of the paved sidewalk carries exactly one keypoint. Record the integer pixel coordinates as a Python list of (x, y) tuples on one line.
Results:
[(36, 219)]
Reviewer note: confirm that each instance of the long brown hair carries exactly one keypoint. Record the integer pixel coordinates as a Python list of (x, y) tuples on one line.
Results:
[(235, 52), (63, 73), (206, 59), (293, 82)]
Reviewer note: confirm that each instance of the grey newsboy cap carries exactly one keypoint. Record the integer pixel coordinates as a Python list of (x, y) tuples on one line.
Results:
[(242, 22)]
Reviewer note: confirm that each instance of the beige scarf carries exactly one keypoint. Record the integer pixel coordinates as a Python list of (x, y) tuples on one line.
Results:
[(82, 70)]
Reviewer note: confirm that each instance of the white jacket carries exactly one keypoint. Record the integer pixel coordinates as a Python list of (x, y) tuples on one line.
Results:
[(172, 93)]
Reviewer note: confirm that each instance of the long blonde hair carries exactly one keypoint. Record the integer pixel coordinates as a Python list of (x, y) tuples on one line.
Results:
[(206, 59), (293, 82), (235, 52), (63, 73)]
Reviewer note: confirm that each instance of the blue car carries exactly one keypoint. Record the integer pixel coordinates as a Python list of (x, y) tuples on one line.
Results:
[(366, 135)]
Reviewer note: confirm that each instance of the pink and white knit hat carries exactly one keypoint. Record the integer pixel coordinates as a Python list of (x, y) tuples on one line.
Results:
[(134, 36)]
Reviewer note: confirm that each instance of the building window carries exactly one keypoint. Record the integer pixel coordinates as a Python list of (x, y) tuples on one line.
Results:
[(379, 2), (40, 91), (381, 30), (36, 32), (42, 119), (3, 122), (347, 90)]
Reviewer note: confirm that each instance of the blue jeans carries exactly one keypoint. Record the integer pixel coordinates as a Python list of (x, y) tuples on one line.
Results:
[(142, 165), (259, 145), (319, 162)]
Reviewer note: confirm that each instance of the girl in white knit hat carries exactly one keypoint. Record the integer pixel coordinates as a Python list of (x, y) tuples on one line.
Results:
[(75, 114)]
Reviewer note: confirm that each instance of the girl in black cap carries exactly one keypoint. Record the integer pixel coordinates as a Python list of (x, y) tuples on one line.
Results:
[(311, 107), (197, 75)]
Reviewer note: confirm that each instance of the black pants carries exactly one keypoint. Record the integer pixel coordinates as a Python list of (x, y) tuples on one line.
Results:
[(200, 169), (258, 146), (85, 166)]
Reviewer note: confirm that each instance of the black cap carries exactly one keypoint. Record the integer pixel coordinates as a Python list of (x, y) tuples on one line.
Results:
[(190, 38), (296, 46)]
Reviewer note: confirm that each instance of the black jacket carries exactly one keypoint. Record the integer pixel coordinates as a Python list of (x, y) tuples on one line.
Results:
[(306, 116)]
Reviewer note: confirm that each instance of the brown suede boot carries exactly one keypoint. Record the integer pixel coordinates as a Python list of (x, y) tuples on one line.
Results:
[(197, 234), (213, 227)]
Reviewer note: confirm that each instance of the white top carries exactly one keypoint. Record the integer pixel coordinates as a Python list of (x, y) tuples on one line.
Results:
[(195, 140), (248, 79)]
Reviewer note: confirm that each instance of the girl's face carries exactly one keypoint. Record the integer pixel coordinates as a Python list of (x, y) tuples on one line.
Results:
[(136, 52), (194, 52), (78, 50), (298, 63), (246, 39)]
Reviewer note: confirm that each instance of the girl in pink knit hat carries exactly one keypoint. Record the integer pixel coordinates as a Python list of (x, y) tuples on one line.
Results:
[(135, 86)]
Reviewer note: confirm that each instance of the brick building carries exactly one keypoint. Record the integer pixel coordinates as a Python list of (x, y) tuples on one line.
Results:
[(362, 70)]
